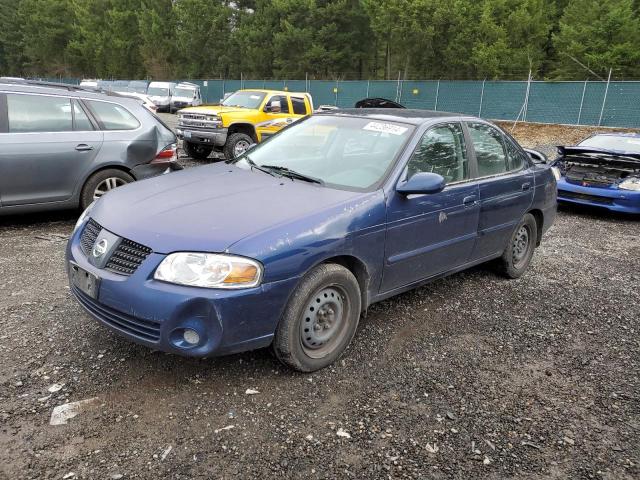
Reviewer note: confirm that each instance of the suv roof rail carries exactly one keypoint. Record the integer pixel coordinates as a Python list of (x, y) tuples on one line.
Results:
[(40, 83)]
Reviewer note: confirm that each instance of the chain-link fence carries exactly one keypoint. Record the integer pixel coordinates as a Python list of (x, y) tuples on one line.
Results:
[(606, 103)]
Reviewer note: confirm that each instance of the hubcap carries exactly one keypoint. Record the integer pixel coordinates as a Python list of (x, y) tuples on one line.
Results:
[(240, 147), (106, 185), (323, 321), (520, 245)]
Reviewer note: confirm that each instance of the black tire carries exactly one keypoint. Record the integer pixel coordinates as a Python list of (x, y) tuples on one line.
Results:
[(335, 293), (234, 140), (517, 256), (197, 151), (104, 178)]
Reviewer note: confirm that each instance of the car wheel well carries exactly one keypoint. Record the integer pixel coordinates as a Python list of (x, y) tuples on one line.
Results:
[(539, 217), (359, 270), (242, 128)]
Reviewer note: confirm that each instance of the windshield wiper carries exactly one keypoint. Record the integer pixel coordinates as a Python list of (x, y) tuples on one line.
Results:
[(253, 165), (287, 172)]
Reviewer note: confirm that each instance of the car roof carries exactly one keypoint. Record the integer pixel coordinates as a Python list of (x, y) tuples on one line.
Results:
[(279, 92), (404, 115), (615, 134)]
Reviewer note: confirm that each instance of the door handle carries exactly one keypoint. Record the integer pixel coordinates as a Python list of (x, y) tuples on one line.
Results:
[(526, 186), (469, 201), (83, 147)]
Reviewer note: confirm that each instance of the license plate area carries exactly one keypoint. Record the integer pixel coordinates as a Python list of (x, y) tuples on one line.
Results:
[(187, 134), (85, 281)]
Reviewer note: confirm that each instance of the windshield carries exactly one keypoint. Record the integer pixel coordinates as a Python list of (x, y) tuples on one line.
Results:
[(612, 142), (184, 92), (244, 99), (158, 92), (345, 152)]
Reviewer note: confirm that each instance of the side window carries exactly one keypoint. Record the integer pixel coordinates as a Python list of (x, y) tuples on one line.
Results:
[(284, 105), (489, 147), (39, 113), (112, 116), (80, 119), (516, 157), (442, 151), (299, 108)]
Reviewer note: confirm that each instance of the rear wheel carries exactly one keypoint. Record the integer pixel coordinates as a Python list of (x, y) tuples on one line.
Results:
[(320, 319), (237, 144), (516, 258), (196, 150), (102, 182)]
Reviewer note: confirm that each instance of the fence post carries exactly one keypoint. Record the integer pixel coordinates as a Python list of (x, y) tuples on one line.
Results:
[(336, 101), (584, 89), (398, 87), (481, 98), (241, 81), (306, 82), (367, 95), (437, 93), (604, 100), (526, 98)]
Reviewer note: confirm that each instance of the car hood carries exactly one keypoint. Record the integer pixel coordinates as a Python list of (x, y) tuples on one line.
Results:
[(600, 155), (213, 109), (209, 208)]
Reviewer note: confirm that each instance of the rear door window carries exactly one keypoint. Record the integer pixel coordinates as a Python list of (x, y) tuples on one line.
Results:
[(489, 148), (81, 121), (113, 116), (299, 107), (39, 113)]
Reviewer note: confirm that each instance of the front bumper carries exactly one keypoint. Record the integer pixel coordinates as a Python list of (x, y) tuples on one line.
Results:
[(216, 137), (153, 313), (614, 199)]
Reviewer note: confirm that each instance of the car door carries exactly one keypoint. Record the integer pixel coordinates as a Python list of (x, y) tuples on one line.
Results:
[(432, 233), (279, 114), (48, 144), (505, 182)]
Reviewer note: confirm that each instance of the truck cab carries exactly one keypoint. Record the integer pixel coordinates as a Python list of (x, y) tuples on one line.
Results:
[(161, 93), (240, 120), (185, 95)]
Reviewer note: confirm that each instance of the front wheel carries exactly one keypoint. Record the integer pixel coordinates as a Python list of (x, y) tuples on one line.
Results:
[(320, 319), (517, 256), (102, 182), (236, 145), (197, 151)]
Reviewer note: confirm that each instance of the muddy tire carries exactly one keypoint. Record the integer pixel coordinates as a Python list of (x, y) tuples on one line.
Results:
[(320, 319), (237, 144), (100, 183), (517, 256), (196, 150)]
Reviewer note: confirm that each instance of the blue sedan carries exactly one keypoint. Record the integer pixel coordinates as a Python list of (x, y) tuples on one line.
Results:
[(286, 245), (602, 171)]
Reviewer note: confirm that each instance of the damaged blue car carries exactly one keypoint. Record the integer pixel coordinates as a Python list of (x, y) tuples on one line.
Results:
[(288, 244)]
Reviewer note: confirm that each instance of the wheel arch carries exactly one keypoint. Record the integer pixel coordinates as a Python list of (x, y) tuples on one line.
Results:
[(359, 270), (539, 218), (242, 127)]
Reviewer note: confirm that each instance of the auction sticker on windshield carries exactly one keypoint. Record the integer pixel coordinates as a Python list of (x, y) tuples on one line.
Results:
[(385, 128)]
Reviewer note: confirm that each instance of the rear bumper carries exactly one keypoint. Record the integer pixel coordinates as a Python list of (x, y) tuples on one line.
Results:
[(216, 137), (610, 198), (147, 170)]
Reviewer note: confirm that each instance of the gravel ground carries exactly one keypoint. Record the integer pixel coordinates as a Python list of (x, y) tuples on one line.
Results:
[(473, 376)]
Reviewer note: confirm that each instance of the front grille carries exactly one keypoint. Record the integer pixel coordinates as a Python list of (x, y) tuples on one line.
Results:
[(585, 197), (127, 257), (144, 329), (89, 235), (125, 260)]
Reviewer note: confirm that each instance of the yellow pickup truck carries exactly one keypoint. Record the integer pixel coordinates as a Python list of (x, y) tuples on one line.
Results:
[(242, 119)]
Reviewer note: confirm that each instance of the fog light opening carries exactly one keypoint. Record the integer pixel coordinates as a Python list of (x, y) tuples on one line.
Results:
[(190, 336)]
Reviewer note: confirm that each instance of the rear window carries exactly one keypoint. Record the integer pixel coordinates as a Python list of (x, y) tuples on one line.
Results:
[(113, 116), (39, 113), (299, 107)]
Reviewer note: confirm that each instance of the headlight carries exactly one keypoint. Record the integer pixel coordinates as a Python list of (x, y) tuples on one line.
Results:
[(209, 270), (83, 216), (632, 183), (556, 173)]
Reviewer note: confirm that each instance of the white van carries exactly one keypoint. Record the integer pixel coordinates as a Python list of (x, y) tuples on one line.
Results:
[(161, 94), (186, 95)]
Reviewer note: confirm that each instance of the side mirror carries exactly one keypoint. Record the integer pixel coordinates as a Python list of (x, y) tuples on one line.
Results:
[(422, 183), (274, 106), (536, 156)]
